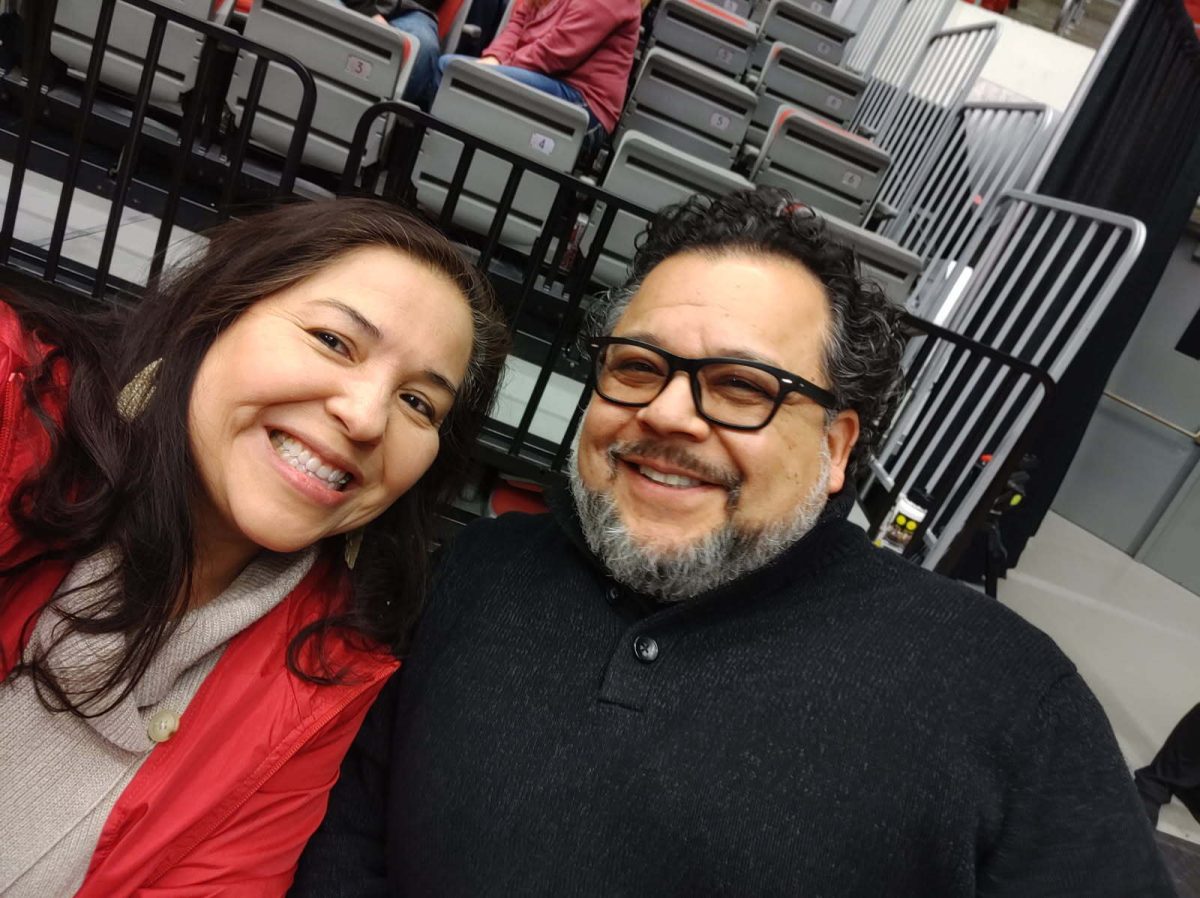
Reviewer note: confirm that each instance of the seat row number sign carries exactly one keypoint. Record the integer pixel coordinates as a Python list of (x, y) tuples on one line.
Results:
[(543, 144), (725, 55), (719, 121), (359, 67)]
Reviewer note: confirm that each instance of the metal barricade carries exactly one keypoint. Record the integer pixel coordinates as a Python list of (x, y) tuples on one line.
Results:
[(1044, 272), (916, 125), (991, 148), (184, 145), (894, 62)]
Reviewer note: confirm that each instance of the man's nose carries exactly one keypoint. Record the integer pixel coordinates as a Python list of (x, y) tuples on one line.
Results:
[(674, 410)]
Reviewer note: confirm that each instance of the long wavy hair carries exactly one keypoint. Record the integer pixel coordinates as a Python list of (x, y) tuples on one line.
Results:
[(129, 485)]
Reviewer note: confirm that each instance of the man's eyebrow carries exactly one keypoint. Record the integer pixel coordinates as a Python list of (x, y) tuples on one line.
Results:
[(354, 315), (721, 353)]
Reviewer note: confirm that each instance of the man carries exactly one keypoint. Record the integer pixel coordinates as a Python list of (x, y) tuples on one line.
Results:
[(417, 18), (697, 677)]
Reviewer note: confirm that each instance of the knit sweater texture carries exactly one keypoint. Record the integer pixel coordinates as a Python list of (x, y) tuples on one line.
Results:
[(839, 723), (61, 774)]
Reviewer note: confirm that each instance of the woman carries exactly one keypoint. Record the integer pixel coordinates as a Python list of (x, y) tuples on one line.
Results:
[(202, 572), (580, 51)]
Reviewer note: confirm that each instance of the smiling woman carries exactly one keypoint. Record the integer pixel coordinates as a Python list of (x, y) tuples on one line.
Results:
[(216, 510)]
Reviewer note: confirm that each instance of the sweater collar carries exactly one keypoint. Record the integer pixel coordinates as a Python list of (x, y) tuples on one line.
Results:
[(830, 539)]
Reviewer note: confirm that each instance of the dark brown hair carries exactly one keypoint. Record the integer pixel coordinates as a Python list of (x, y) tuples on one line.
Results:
[(128, 485)]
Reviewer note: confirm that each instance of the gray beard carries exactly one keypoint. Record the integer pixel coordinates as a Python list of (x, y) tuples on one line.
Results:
[(674, 575)]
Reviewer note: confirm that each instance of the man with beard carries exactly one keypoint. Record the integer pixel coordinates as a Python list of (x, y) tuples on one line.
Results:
[(696, 677)]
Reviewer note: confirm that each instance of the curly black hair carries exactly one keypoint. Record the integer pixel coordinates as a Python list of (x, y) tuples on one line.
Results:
[(864, 344)]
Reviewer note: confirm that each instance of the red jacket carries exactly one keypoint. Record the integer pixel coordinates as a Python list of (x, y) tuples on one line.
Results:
[(225, 806), (587, 43)]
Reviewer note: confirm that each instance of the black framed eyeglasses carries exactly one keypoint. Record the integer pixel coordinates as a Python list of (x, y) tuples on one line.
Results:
[(734, 393)]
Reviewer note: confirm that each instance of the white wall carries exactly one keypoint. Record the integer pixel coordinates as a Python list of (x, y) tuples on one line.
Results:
[(1028, 63)]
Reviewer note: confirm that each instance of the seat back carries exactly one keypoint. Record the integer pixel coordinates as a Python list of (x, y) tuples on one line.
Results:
[(792, 77), (74, 31), (794, 22), (883, 261), (452, 15), (653, 175), (705, 33), (826, 167), (689, 106), (355, 63), (515, 117)]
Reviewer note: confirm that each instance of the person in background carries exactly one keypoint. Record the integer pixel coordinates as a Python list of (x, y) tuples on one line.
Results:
[(216, 508), (1175, 770), (419, 19), (695, 676), (580, 51)]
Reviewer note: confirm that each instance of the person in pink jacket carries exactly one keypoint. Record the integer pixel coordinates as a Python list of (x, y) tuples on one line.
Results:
[(216, 510), (580, 51)]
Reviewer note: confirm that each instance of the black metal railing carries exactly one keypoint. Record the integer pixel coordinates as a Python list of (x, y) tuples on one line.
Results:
[(183, 143)]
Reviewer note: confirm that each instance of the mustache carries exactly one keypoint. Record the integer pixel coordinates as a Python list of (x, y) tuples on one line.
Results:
[(676, 455)]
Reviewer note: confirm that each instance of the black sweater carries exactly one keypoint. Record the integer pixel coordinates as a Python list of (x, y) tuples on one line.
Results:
[(840, 723)]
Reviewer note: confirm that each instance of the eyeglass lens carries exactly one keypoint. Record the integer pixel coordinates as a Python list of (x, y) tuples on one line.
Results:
[(738, 395)]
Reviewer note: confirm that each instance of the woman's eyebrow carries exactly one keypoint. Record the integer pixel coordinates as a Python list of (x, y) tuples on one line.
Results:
[(441, 381), (364, 323)]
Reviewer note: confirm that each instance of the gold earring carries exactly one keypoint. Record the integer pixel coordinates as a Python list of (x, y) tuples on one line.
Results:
[(136, 395), (354, 541)]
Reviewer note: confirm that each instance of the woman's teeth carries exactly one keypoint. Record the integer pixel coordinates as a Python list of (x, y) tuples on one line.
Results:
[(667, 479), (304, 459)]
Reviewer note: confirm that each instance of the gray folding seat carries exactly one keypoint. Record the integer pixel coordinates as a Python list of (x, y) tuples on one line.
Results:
[(706, 33), (512, 116), (824, 166), (884, 261), (792, 77), (354, 61), (689, 106), (74, 31), (794, 22), (653, 175)]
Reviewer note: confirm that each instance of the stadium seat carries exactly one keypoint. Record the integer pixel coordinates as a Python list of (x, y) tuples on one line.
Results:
[(355, 63), (689, 106), (74, 33), (795, 23), (705, 33), (509, 115), (826, 167), (653, 175), (792, 77), (884, 261)]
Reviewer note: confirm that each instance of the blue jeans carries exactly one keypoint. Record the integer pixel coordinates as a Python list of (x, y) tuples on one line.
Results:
[(547, 85), (423, 81)]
